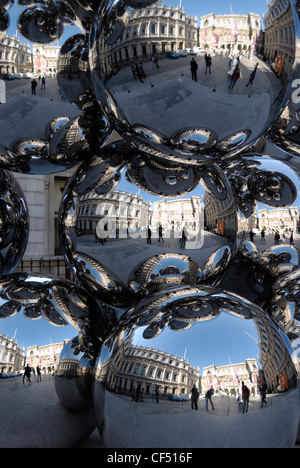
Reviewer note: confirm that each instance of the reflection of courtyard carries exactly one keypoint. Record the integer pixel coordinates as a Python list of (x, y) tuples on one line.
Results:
[(169, 91), (175, 424), (128, 253)]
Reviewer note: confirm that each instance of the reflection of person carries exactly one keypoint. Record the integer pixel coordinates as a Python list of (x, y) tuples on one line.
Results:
[(194, 398), (235, 76), (208, 396), (251, 235), (33, 86), (43, 83), (252, 76), (38, 371), (157, 395), (156, 61), (292, 239), (262, 235), (263, 395), (194, 68), (245, 397), (149, 235), (183, 239), (208, 63), (276, 238), (27, 373), (160, 236), (138, 72)]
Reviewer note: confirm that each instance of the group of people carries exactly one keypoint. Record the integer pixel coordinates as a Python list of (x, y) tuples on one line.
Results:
[(34, 84), (276, 237), (138, 71), (27, 374), (210, 393), (234, 70)]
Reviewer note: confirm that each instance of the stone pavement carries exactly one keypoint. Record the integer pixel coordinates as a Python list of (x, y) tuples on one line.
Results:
[(32, 417)]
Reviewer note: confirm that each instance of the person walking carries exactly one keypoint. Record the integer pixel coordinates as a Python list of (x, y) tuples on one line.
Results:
[(160, 236), (245, 397), (194, 68), (149, 233), (262, 235), (251, 235), (39, 376), (292, 238), (27, 374), (138, 72), (183, 239), (208, 397), (263, 395), (156, 60), (43, 83), (208, 62), (276, 238), (235, 76), (252, 76), (33, 86), (194, 397)]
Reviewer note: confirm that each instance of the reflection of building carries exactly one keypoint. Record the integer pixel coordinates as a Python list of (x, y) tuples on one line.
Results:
[(280, 34), (281, 219), (46, 356), (15, 57), (220, 212), (229, 377), (152, 30), (12, 356), (231, 32), (45, 58), (138, 367), (177, 213), (120, 209)]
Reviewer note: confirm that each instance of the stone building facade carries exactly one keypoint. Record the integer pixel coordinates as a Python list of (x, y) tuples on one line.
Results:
[(12, 356), (233, 33), (15, 57), (280, 33), (46, 357)]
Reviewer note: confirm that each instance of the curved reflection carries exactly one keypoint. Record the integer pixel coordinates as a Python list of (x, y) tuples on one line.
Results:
[(172, 109), (121, 215), (203, 338)]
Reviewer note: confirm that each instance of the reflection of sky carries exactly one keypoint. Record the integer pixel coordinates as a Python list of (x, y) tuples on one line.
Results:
[(223, 340)]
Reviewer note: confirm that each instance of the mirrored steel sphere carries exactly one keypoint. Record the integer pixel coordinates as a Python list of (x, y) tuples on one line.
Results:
[(176, 100), (14, 223), (40, 24), (173, 373), (129, 224), (73, 377)]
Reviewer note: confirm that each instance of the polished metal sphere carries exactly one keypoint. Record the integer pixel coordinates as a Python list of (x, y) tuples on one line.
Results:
[(129, 225), (175, 106), (185, 340)]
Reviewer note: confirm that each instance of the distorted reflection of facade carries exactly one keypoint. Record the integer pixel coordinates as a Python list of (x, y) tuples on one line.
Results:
[(220, 211), (229, 378), (71, 367), (46, 356), (280, 34), (278, 219), (153, 30), (177, 214), (45, 58), (12, 356), (120, 209), (147, 369), (235, 33), (15, 57)]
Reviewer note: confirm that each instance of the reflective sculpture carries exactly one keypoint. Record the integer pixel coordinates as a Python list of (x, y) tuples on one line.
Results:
[(164, 344), (184, 167)]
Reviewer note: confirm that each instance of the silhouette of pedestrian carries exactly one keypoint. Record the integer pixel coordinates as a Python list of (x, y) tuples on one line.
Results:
[(292, 239), (43, 83), (160, 236), (276, 238), (251, 235), (27, 373), (149, 235), (263, 395), (207, 63), (245, 397), (138, 72), (208, 397), (156, 61), (252, 76), (33, 86), (262, 235), (194, 398), (183, 239), (39, 376), (235, 76), (194, 68)]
